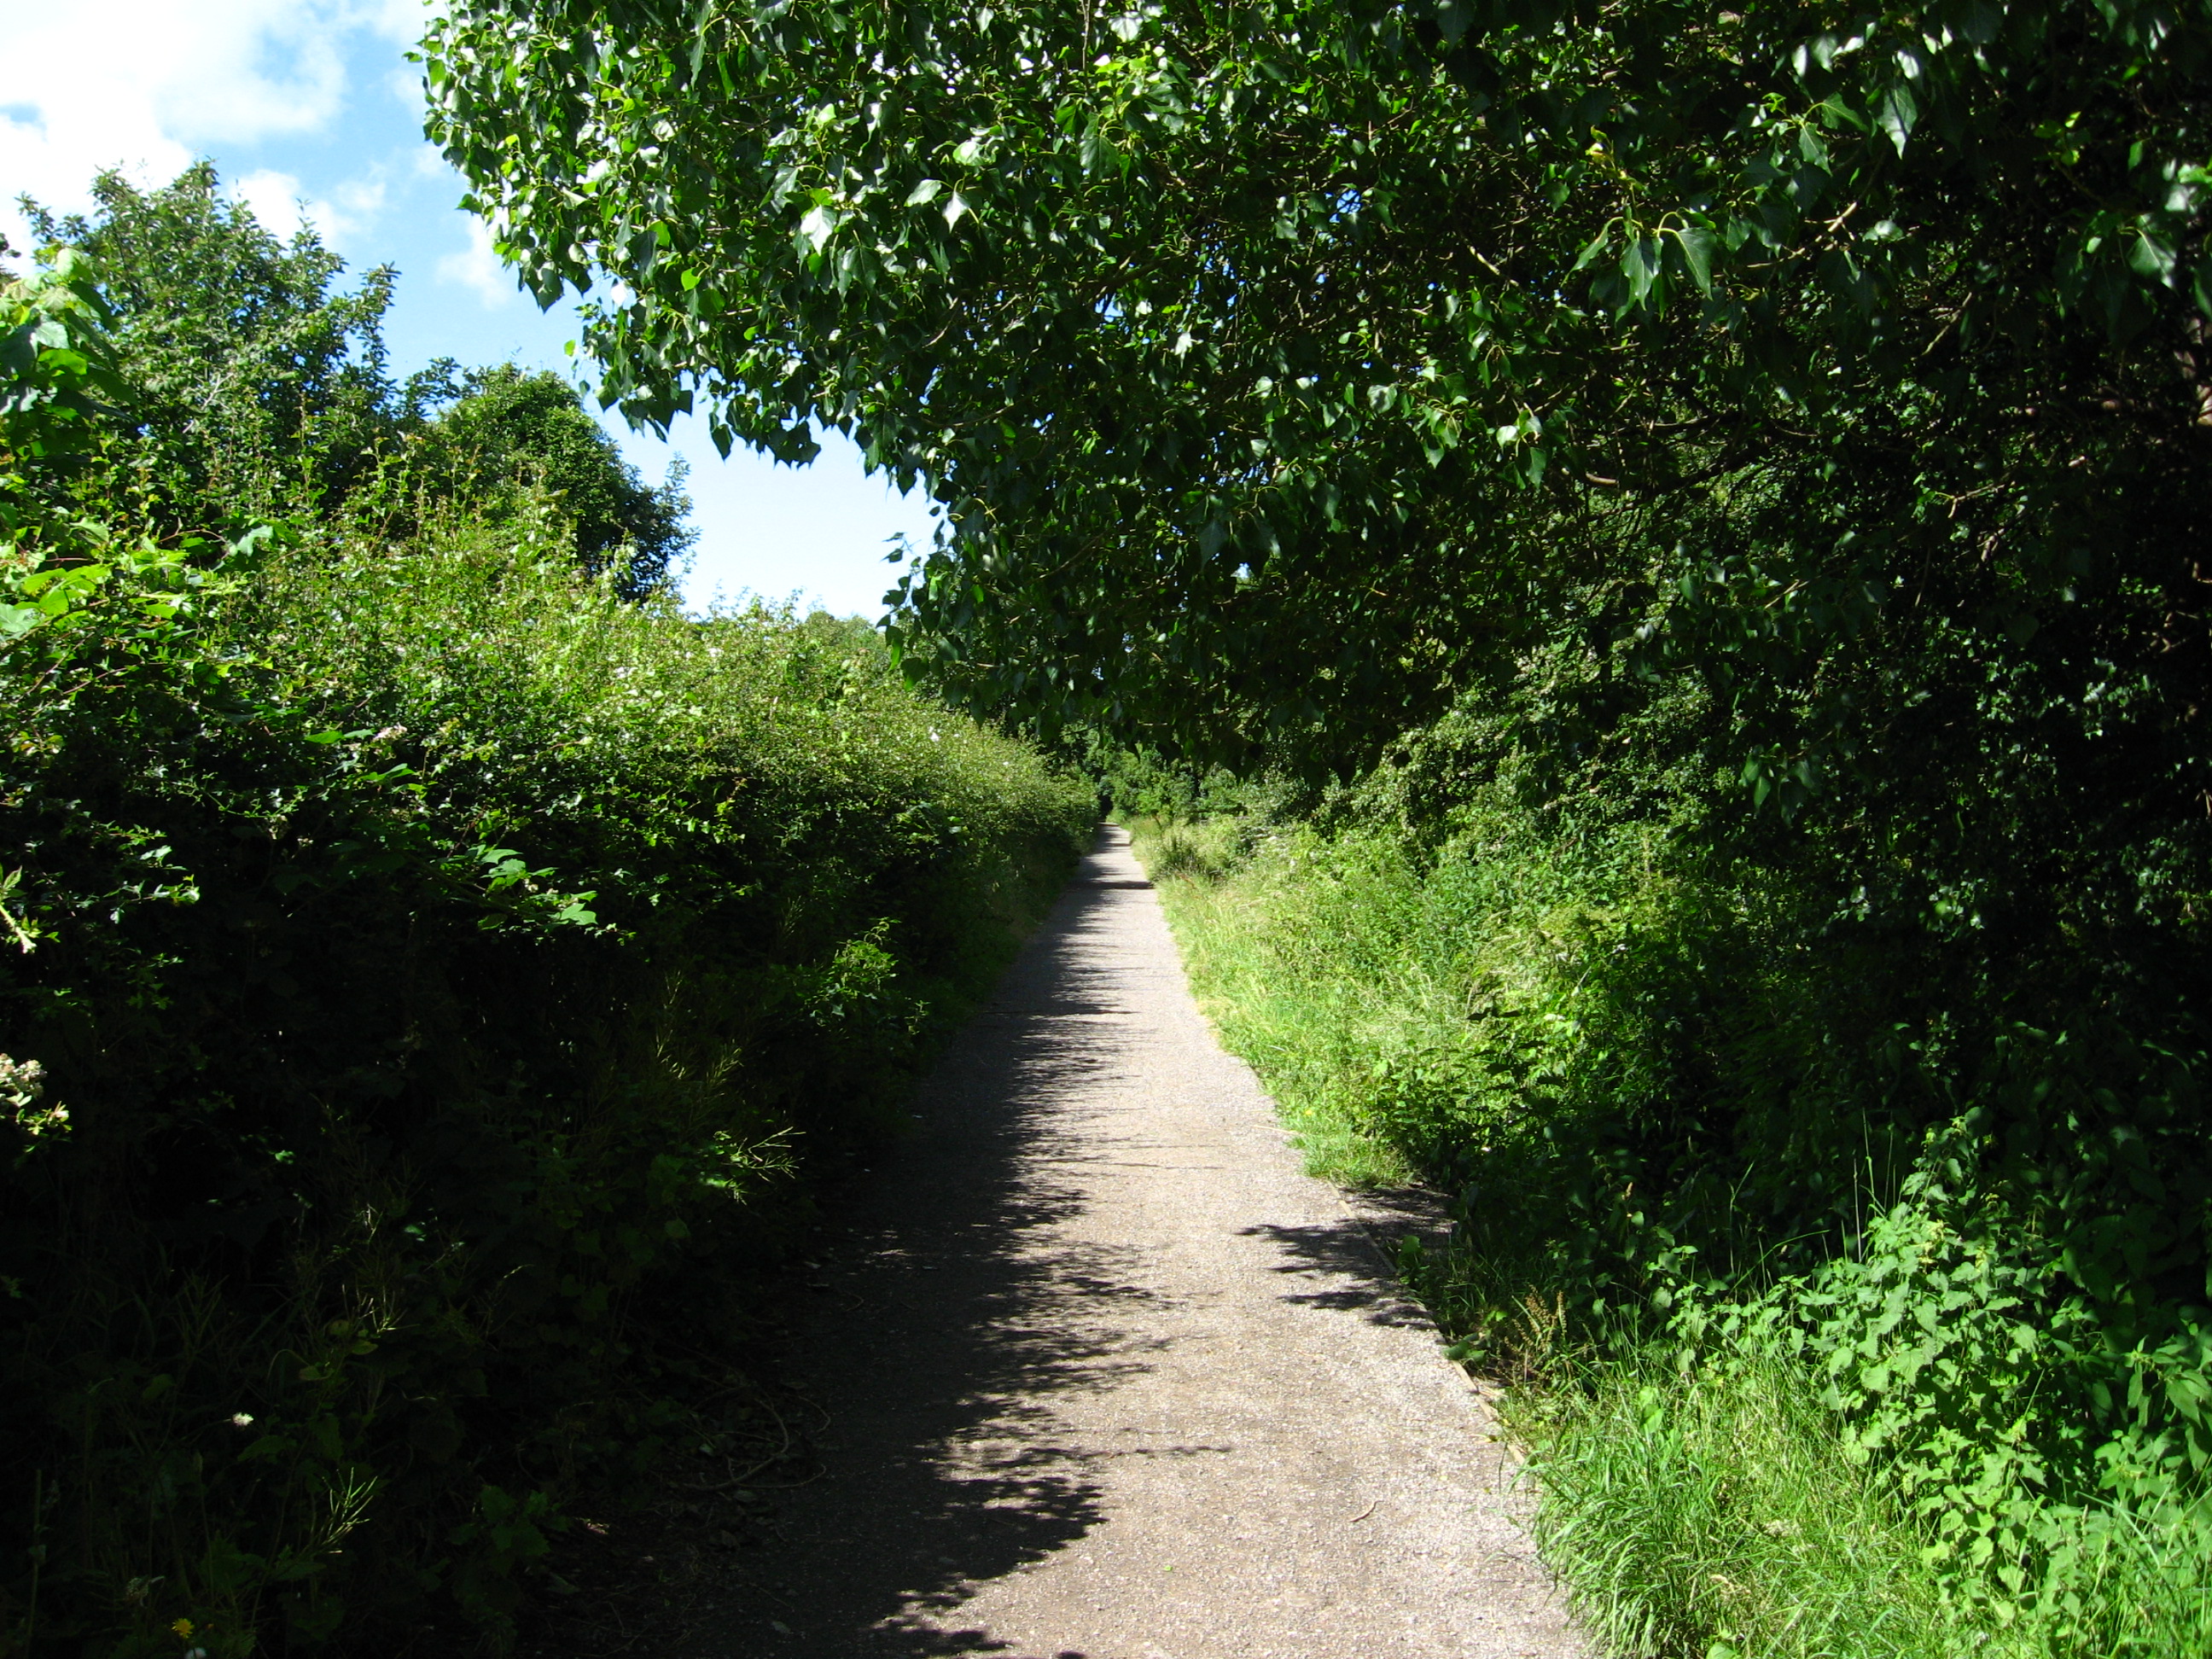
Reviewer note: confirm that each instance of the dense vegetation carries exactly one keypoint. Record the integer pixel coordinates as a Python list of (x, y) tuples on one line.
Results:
[(1287, 369), (434, 964), (1814, 1353), (255, 389), (1699, 511)]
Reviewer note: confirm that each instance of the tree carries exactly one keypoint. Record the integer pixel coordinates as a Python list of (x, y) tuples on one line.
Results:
[(257, 388), (1287, 368), (506, 431)]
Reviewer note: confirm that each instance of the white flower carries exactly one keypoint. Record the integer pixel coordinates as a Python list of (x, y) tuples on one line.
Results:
[(22, 1081)]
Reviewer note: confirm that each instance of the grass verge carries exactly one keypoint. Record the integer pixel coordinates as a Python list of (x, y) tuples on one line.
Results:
[(1722, 1512), (1696, 1501), (1302, 1032)]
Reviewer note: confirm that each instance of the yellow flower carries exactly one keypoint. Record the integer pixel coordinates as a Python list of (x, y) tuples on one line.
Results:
[(184, 1628)]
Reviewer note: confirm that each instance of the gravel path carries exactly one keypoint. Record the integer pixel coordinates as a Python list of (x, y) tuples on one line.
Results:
[(1106, 1376)]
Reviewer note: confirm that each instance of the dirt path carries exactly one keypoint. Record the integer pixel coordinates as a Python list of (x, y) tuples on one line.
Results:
[(1107, 1377)]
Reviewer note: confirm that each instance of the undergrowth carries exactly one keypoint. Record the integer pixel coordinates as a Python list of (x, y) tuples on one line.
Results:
[(1722, 1513), (1840, 1310)]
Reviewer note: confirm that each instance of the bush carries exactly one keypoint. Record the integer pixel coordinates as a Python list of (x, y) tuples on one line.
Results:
[(433, 978)]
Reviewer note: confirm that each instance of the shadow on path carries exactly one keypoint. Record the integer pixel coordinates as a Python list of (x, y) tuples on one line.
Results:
[(948, 1311), (1100, 1375)]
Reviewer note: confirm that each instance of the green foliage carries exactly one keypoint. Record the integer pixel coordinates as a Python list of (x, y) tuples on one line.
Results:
[(256, 388), (1286, 370), (1722, 1513), (1710, 1108), (505, 433), (1740, 473), (55, 354), (430, 976), (1721, 1506)]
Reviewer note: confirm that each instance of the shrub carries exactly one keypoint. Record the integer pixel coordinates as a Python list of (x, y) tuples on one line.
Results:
[(432, 979)]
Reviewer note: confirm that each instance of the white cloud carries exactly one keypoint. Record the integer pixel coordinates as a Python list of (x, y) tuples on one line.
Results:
[(362, 198), (146, 84), (283, 207), (277, 202), (477, 267), (404, 20)]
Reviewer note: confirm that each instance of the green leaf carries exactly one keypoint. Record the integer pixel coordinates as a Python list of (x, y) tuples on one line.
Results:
[(1698, 245), (1639, 267), (2151, 257), (1898, 110), (1098, 153), (819, 225)]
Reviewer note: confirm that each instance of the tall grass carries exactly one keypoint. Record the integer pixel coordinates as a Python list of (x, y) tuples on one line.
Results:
[(1305, 1032), (1394, 1011), (1722, 1512), (1721, 1509)]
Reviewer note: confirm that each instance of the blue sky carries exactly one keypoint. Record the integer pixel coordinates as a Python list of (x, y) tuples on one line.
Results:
[(310, 108)]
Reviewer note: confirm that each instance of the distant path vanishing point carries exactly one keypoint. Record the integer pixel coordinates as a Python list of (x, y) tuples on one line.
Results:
[(1106, 1376)]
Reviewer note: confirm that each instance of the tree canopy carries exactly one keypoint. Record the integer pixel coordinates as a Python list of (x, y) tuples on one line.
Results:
[(502, 432), (1286, 369), (252, 377), (257, 387)]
